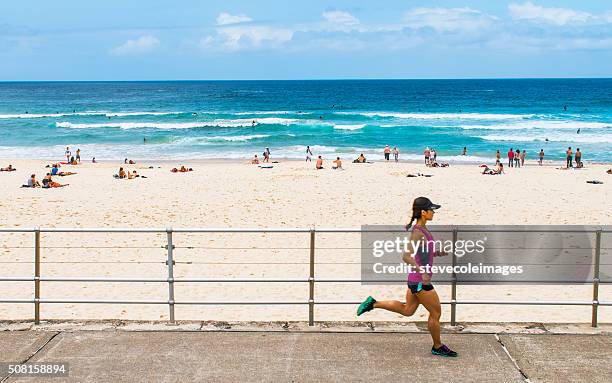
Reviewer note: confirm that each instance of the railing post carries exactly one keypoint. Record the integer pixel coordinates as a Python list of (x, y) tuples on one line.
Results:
[(311, 281), (454, 283), (596, 278), (170, 262), (37, 275)]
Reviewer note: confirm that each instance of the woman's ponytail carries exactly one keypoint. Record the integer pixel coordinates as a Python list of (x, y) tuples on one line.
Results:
[(415, 215)]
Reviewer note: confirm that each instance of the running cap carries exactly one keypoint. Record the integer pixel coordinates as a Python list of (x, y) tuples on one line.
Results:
[(424, 203)]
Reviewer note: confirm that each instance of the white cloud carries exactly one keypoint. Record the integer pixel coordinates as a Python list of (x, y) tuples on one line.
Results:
[(448, 19), (225, 18), (556, 16), (340, 18), (256, 36), (143, 44)]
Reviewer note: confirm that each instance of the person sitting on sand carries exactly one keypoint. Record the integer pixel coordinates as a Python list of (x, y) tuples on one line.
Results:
[(319, 164), (32, 182), (93, 160), (122, 173), (9, 168), (337, 164), (49, 183), (255, 160), (132, 175), (360, 160), (609, 171)]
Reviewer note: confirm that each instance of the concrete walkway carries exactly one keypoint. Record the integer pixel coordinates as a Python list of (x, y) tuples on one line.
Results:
[(181, 356)]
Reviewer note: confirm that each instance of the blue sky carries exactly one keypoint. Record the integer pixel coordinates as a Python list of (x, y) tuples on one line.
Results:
[(189, 39)]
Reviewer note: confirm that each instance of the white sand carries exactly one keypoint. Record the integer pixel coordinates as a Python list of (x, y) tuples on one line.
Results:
[(292, 194)]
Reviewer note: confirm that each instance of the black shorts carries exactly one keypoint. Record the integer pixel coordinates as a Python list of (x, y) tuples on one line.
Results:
[(416, 287)]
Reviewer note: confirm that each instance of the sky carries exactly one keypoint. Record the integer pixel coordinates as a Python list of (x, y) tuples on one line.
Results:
[(314, 39)]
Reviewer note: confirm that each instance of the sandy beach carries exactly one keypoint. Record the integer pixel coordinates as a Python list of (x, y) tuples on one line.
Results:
[(235, 194)]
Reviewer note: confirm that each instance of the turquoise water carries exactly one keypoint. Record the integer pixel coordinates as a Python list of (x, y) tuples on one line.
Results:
[(236, 119)]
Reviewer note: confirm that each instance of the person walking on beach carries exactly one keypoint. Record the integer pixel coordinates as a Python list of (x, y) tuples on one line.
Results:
[(541, 156), (78, 155), (395, 153), (578, 158), (568, 153), (308, 154), (510, 158), (420, 290), (387, 152), (433, 155), (464, 151), (68, 153), (497, 157), (266, 155), (517, 158), (427, 153), (523, 154)]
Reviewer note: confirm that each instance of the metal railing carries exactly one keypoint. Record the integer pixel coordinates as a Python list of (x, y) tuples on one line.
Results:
[(311, 280)]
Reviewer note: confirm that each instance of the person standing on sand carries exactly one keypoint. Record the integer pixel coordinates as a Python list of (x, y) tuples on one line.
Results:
[(523, 154), (568, 153), (541, 156), (68, 153), (578, 158), (266, 156), (78, 155), (387, 152), (308, 154), (427, 153), (433, 155), (395, 153), (510, 158), (497, 157), (517, 159), (420, 290)]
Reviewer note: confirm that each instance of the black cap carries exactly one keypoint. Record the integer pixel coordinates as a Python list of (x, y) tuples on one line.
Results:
[(424, 203)]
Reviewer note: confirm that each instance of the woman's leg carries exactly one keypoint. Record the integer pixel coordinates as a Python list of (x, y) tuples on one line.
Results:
[(405, 309), (430, 300)]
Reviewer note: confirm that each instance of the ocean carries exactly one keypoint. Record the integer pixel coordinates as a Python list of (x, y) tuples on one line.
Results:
[(237, 119)]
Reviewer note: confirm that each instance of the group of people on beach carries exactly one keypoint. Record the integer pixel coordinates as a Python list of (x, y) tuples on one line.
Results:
[(387, 152)]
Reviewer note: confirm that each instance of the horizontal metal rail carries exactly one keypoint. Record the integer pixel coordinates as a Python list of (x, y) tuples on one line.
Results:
[(311, 302)]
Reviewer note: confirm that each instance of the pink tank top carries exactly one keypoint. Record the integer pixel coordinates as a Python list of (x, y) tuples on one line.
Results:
[(421, 257)]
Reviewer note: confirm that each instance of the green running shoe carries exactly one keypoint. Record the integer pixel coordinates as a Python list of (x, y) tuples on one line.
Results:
[(443, 350), (366, 306)]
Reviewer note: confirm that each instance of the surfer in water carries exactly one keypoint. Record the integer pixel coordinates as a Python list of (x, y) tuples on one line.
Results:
[(578, 131)]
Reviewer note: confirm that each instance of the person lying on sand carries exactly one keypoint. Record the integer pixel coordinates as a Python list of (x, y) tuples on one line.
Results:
[(182, 169), (55, 172), (49, 183), (319, 164), (498, 170), (9, 168), (435, 164), (360, 160), (337, 164)]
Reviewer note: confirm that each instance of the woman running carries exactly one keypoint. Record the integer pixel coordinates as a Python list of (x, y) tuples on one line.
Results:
[(420, 290)]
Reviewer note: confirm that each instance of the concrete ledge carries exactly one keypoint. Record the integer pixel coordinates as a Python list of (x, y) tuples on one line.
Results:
[(348, 327)]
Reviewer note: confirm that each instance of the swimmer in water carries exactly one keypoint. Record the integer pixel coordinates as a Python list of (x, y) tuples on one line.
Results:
[(578, 131)]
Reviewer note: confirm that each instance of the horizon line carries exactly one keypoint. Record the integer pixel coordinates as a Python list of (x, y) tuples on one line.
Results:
[(324, 79)]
